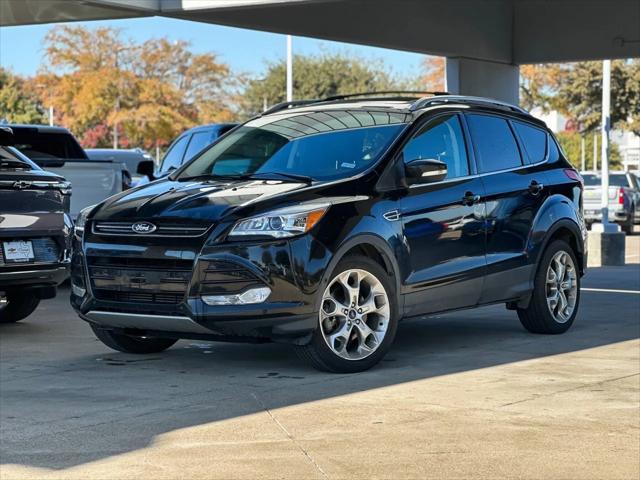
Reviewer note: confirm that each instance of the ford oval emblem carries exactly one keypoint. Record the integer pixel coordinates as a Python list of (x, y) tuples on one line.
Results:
[(143, 227)]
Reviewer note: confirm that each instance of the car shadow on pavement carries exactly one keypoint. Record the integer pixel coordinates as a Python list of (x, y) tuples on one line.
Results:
[(66, 400)]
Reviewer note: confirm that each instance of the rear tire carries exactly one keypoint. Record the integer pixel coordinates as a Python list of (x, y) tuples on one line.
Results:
[(130, 344), (359, 340), (18, 306), (544, 315)]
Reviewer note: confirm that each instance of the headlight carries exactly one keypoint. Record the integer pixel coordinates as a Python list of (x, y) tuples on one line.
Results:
[(78, 228), (286, 222)]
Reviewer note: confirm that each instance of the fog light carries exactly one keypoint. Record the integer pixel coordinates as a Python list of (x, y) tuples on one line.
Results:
[(253, 295), (77, 291)]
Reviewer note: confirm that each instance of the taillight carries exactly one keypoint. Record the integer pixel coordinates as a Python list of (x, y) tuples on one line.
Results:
[(573, 175), (621, 196)]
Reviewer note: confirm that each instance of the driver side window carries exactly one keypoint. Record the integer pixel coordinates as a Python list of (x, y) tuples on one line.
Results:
[(441, 139)]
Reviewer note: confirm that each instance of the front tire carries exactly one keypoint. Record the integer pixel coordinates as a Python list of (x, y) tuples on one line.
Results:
[(130, 344), (18, 306), (556, 292), (357, 321)]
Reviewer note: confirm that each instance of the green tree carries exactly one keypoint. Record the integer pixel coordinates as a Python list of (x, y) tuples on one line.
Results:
[(575, 90), (317, 76), (571, 144), (17, 103)]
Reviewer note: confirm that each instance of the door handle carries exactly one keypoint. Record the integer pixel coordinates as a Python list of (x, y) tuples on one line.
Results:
[(535, 188), (470, 198)]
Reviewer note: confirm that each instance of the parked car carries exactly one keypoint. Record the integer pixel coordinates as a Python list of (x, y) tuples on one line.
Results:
[(624, 198), (55, 149), (132, 158), (323, 224), (191, 142), (35, 232)]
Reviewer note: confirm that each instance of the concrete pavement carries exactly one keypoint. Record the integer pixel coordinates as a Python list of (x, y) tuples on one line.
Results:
[(465, 395)]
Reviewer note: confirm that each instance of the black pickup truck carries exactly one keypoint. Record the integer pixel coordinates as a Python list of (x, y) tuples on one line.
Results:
[(35, 232)]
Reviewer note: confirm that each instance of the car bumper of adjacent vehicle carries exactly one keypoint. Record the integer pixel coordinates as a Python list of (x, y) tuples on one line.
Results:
[(615, 215), (34, 276)]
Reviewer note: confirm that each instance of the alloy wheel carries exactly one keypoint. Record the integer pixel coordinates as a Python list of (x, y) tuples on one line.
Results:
[(562, 287), (355, 314)]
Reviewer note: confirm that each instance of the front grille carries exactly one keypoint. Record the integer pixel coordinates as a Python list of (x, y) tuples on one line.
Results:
[(163, 229), (138, 297), (139, 280), (45, 250)]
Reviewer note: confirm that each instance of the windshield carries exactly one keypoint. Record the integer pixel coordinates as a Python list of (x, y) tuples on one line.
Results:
[(315, 145), (592, 180), (10, 160)]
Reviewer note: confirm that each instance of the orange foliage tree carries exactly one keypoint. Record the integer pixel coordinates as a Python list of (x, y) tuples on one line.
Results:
[(97, 81)]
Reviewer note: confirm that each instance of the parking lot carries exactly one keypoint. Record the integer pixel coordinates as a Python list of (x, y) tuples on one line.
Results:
[(464, 395)]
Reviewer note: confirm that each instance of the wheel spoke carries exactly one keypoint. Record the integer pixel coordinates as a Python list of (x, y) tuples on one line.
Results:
[(354, 300), (562, 286)]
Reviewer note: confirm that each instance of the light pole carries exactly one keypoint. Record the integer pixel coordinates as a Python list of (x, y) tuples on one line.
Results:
[(289, 69), (605, 127)]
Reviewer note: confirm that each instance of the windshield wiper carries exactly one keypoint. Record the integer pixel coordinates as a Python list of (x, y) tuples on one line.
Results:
[(291, 176), (251, 176)]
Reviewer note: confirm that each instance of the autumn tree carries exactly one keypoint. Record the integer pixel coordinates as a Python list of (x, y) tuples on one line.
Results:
[(575, 90), (318, 76), (150, 91), (433, 76)]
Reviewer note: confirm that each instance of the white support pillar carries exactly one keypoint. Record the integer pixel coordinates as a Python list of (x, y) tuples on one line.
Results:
[(465, 76)]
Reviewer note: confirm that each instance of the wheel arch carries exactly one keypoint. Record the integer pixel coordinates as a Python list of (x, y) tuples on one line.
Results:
[(373, 247), (558, 219)]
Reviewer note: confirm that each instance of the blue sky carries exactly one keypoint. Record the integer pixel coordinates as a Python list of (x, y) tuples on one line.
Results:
[(21, 48)]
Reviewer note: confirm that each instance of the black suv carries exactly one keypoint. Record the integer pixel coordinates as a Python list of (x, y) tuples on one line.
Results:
[(35, 232), (324, 223)]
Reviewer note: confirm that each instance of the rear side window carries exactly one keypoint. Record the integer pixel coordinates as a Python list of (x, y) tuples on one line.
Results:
[(495, 145), (173, 158), (40, 146), (534, 141), (199, 140)]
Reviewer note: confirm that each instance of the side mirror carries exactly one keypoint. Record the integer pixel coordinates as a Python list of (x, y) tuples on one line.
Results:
[(146, 167), (425, 170), (6, 136)]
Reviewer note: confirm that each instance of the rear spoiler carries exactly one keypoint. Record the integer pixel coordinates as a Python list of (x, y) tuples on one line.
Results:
[(6, 137)]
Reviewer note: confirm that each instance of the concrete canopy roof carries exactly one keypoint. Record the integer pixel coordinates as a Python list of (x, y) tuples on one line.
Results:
[(504, 31)]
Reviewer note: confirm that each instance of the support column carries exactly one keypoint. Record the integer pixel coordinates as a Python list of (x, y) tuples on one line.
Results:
[(465, 76)]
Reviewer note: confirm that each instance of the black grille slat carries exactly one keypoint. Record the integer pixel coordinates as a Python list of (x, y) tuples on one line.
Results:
[(139, 280)]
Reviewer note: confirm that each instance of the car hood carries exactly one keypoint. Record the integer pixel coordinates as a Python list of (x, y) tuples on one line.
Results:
[(204, 200)]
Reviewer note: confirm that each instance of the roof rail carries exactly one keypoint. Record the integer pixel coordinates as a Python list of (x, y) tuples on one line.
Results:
[(381, 92), (284, 105), (489, 102)]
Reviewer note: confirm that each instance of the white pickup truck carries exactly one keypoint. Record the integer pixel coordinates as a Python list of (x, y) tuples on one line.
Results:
[(56, 150), (623, 198)]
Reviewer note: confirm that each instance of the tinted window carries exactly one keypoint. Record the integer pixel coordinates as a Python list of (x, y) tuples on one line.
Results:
[(173, 158), (495, 145), (441, 139), (534, 141), (199, 140), (592, 180), (554, 153), (47, 145)]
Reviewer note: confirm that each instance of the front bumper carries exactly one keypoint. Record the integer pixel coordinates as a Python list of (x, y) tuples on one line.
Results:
[(288, 315)]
